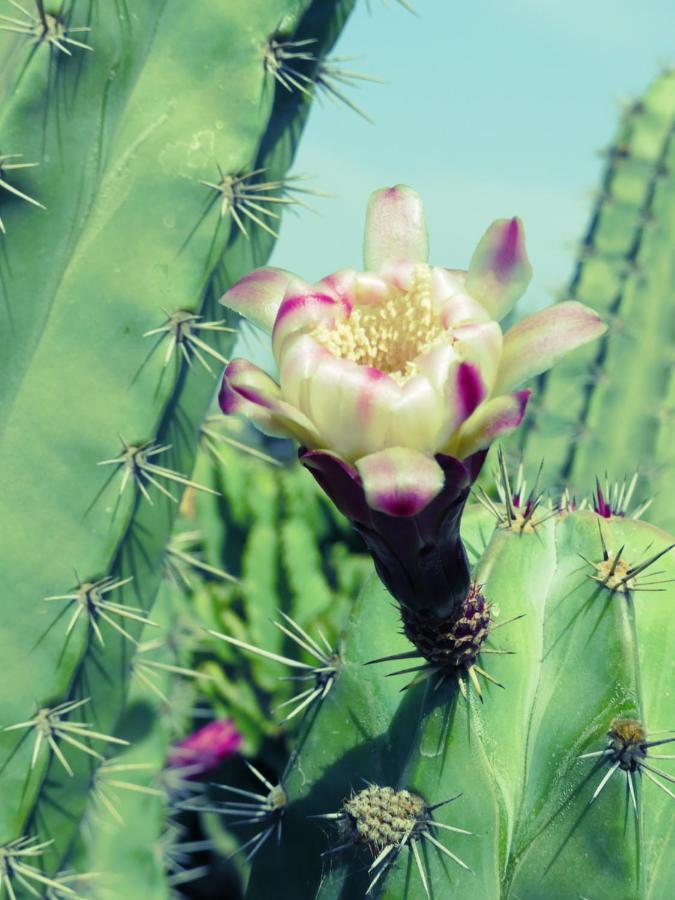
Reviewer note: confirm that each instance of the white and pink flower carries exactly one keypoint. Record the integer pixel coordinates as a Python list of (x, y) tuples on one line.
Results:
[(389, 367), (388, 375)]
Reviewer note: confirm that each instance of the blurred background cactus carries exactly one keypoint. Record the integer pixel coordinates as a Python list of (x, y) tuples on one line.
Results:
[(144, 158), (623, 418)]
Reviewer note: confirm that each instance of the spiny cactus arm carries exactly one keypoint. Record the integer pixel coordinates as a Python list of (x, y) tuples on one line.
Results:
[(34, 122), (79, 380), (525, 795), (588, 676), (451, 750), (625, 271), (354, 734), (87, 374), (349, 739)]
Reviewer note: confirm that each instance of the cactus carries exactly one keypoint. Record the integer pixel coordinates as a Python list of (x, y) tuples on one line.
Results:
[(143, 170), (552, 809), (399, 779), (157, 140), (625, 270), (290, 552)]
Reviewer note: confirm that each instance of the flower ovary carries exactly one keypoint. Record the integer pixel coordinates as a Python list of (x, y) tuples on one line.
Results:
[(453, 642)]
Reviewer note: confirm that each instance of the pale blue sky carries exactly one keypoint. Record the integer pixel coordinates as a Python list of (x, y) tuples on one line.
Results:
[(492, 108)]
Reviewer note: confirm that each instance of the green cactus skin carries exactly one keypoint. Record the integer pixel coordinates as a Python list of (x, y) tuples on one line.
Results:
[(273, 528), (626, 271), (124, 134), (135, 829), (584, 655)]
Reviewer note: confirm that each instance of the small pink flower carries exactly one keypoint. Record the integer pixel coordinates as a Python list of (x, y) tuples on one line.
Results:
[(207, 747)]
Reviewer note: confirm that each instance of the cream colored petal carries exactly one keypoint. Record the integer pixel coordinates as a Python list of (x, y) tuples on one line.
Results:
[(350, 406), (500, 271), (537, 342), (304, 311), (396, 230), (493, 419), (400, 481), (258, 295), (480, 343), (248, 391)]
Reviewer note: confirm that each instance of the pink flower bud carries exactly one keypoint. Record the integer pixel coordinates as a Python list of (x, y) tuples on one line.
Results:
[(207, 747)]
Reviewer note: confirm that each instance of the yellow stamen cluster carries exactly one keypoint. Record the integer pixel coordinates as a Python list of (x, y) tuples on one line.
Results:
[(388, 336)]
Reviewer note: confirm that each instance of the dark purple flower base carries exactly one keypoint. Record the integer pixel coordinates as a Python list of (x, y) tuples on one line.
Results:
[(421, 558)]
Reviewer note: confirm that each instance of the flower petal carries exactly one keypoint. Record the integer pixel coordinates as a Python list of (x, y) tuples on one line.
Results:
[(396, 230), (470, 389), (258, 295), (351, 406), (462, 373), (535, 344), (247, 390), (451, 299), (339, 285), (358, 410), (419, 418), (439, 365), (400, 481), (370, 288), (304, 311), (340, 481), (495, 418), (500, 271), (480, 343)]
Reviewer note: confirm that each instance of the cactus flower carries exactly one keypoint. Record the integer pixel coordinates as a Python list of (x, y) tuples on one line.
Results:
[(207, 747), (394, 381)]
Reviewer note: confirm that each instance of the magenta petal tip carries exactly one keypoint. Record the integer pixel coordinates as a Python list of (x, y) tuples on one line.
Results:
[(500, 271)]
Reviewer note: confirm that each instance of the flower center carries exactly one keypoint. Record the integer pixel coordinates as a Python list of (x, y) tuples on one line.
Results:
[(388, 336)]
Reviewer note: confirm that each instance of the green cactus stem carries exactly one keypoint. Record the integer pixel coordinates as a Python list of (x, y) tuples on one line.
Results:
[(125, 129), (553, 776), (626, 271)]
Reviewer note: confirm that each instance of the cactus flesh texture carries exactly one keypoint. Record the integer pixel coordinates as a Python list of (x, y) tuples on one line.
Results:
[(559, 775)]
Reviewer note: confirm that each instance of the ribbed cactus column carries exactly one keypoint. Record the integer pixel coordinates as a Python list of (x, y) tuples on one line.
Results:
[(553, 775), (623, 417), (157, 140)]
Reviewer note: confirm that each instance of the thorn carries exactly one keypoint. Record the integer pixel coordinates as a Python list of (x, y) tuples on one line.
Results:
[(605, 553), (135, 463), (50, 723), (246, 196), (635, 570)]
